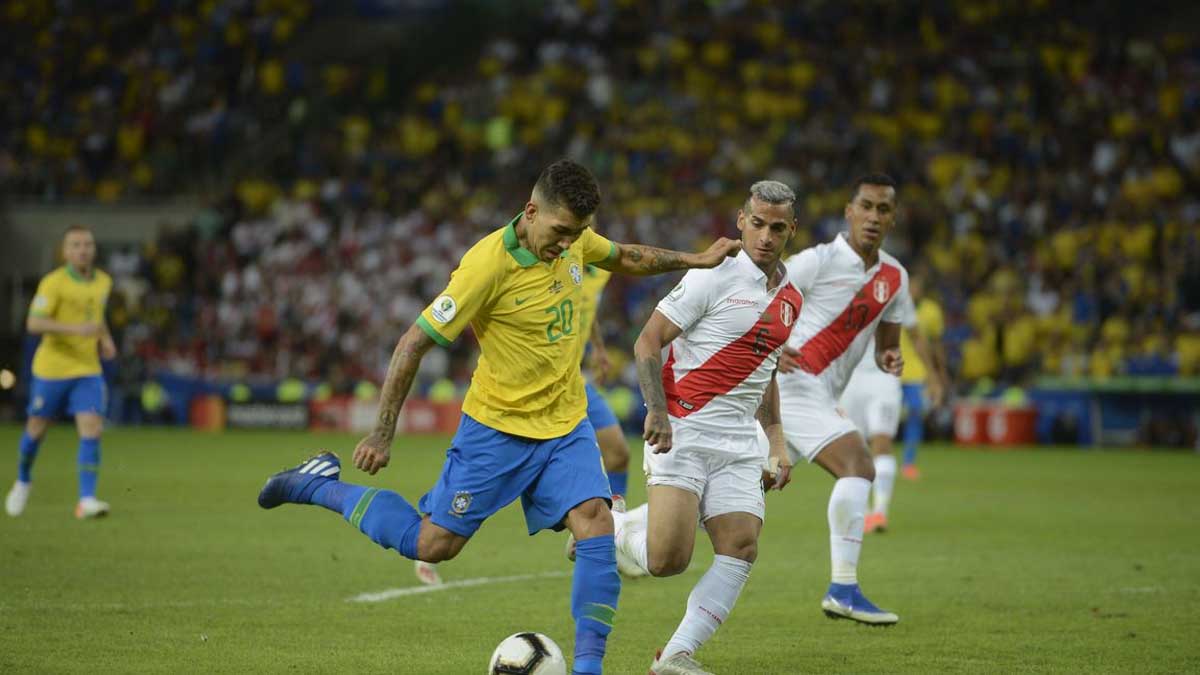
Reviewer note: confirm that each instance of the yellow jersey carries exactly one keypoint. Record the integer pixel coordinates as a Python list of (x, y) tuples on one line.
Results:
[(527, 315), (932, 323), (594, 281), (63, 295)]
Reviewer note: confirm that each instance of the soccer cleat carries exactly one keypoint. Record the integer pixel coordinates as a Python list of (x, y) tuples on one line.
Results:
[(618, 506), (296, 486), (427, 573), (680, 663), (875, 522), (910, 472), (90, 507), (14, 504), (846, 601)]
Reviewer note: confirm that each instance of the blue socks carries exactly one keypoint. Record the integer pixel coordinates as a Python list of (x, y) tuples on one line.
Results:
[(618, 482), (29, 450), (382, 515), (594, 591), (89, 465)]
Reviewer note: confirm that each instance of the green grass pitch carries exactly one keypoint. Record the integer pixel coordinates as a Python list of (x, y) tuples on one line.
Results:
[(1025, 561)]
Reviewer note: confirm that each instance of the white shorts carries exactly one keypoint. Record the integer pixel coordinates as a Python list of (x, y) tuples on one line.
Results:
[(701, 463), (873, 402), (811, 418)]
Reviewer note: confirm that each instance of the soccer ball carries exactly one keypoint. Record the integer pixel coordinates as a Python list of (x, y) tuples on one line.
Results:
[(527, 654)]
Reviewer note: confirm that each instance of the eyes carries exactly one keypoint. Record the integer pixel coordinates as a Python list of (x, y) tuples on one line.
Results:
[(778, 227), (883, 208)]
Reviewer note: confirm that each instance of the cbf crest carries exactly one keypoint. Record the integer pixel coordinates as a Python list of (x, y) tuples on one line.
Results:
[(461, 502), (576, 274), (882, 290)]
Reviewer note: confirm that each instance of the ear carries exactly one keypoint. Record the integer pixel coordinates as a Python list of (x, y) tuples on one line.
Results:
[(846, 211), (531, 209), (741, 221)]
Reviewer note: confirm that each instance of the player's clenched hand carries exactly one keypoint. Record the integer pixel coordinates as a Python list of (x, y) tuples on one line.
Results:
[(658, 431), (890, 361), (787, 360), (600, 365), (108, 349), (372, 454), (89, 329), (937, 391), (721, 249), (778, 473)]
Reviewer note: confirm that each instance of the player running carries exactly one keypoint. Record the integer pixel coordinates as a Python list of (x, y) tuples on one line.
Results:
[(524, 431), (725, 329), (68, 312), (872, 399), (924, 370), (850, 290)]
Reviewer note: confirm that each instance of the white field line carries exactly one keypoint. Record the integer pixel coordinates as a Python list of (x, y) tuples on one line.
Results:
[(391, 593)]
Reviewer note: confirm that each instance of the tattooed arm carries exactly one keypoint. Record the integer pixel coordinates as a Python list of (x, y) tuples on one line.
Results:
[(657, 334), (638, 260), (374, 451), (779, 472)]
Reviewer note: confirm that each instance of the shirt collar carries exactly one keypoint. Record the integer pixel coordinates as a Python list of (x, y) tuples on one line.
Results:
[(747, 264), (512, 244), (842, 241)]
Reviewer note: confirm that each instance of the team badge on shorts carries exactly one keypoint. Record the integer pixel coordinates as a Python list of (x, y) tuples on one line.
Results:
[(38, 402), (576, 274), (882, 290), (462, 502)]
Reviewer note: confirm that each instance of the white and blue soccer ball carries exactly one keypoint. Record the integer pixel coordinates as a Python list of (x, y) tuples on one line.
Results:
[(527, 654)]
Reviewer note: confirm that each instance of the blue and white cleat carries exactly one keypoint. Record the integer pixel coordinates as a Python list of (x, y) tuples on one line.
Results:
[(296, 486), (846, 601)]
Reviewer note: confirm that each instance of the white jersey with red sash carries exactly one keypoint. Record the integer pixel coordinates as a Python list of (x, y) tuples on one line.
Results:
[(734, 329), (844, 301)]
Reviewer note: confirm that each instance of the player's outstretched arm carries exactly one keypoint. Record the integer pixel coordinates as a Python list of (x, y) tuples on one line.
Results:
[(779, 468), (638, 260), (658, 333), (374, 451)]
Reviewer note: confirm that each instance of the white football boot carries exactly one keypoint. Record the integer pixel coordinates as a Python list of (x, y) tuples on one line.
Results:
[(18, 496), (90, 507)]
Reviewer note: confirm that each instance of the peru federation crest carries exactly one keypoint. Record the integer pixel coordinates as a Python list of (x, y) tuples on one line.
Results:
[(882, 290), (787, 314)]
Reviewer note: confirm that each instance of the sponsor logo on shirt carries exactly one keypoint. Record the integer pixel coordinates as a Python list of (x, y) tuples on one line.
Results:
[(740, 301), (444, 309)]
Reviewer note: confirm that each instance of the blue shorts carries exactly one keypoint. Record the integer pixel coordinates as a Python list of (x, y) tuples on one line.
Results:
[(48, 398), (486, 470), (598, 413)]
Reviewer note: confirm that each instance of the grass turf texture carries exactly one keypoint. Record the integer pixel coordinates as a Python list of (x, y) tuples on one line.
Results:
[(1036, 561)]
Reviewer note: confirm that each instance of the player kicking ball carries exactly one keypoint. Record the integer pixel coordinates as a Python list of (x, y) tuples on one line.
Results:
[(68, 312), (725, 329), (524, 431), (851, 290)]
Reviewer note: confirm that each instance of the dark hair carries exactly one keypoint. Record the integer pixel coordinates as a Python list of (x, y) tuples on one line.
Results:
[(871, 179), (76, 228), (570, 184)]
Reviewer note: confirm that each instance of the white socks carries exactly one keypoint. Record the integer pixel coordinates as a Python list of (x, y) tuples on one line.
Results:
[(710, 603), (847, 509), (631, 534), (885, 479)]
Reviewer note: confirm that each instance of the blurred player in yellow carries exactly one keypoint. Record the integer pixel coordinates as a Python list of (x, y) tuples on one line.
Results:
[(68, 312), (918, 374)]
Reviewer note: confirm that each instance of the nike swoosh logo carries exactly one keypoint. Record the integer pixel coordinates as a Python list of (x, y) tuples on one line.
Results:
[(521, 301)]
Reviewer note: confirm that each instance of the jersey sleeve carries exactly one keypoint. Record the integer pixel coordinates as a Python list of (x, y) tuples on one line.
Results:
[(595, 248), (803, 268), (899, 310), (689, 300), (45, 301), (472, 288)]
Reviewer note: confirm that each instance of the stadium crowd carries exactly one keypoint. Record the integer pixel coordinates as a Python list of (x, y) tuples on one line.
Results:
[(1048, 155)]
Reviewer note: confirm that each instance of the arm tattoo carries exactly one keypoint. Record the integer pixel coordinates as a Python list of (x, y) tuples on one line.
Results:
[(768, 409), (638, 259), (649, 370), (401, 371)]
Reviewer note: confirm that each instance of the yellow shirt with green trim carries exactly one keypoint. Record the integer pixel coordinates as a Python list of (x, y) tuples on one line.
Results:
[(594, 281), (931, 323), (527, 316), (63, 295)]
